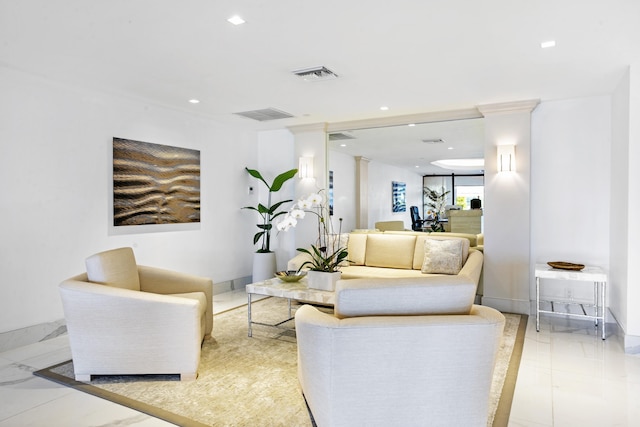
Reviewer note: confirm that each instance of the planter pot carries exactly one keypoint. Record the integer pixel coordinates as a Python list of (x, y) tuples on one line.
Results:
[(264, 266), (322, 280)]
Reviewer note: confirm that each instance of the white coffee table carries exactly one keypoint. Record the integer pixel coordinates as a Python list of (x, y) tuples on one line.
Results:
[(297, 291)]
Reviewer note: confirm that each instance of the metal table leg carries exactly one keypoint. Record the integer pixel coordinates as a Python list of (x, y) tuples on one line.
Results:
[(537, 304), (603, 287), (250, 332)]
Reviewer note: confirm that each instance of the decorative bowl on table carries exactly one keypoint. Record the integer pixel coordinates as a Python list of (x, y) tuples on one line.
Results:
[(562, 265), (290, 275)]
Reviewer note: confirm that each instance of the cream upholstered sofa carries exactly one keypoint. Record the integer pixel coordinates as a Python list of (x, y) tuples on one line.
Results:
[(398, 352), (398, 254), (126, 319)]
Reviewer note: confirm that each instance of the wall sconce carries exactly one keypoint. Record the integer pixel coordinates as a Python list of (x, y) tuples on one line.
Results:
[(305, 167), (506, 158)]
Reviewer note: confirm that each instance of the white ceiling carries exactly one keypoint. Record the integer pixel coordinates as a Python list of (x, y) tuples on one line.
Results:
[(404, 146), (412, 56)]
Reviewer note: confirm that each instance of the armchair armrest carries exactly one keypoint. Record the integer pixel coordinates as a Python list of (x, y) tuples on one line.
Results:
[(160, 281), (111, 326)]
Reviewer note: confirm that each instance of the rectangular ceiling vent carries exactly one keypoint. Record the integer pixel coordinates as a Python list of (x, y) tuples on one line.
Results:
[(433, 141), (315, 74), (265, 114), (340, 136)]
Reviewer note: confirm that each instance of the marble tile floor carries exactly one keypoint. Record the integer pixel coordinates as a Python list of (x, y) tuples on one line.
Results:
[(568, 377)]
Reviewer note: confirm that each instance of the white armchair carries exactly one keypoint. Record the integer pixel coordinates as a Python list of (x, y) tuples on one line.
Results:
[(371, 365), (126, 319)]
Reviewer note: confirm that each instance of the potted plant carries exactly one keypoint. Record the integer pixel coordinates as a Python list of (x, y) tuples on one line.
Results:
[(328, 253), (264, 265), (436, 204)]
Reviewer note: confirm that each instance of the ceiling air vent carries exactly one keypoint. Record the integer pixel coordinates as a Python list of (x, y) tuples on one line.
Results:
[(315, 74), (433, 141), (340, 136), (265, 114)]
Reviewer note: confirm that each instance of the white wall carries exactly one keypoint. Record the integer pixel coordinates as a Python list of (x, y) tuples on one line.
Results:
[(380, 202), (632, 342), (570, 187), (344, 188), (275, 156), (506, 211), (619, 210), (56, 170)]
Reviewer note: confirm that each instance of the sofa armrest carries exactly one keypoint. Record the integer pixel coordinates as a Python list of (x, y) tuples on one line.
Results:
[(472, 269), (295, 262), (404, 296), (160, 281)]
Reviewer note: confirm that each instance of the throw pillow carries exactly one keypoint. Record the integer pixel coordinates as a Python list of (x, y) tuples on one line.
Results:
[(442, 256)]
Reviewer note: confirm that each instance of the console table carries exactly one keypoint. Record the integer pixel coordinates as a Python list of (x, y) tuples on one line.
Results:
[(593, 274)]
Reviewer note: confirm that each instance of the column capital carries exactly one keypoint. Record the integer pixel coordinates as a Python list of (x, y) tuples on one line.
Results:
[(311, 127), (509, 107)]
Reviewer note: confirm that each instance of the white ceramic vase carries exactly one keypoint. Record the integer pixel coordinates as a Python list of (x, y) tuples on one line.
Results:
[(264, 266), (322, 280)]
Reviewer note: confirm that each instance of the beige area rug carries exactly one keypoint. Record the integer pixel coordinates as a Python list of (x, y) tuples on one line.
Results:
[(246, 381)]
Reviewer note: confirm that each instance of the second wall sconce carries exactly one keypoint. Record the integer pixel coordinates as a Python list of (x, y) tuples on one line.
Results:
[(506, 158), (305, 167)]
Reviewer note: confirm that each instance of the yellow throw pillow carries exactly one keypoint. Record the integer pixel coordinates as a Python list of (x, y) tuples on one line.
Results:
[(442, 256)]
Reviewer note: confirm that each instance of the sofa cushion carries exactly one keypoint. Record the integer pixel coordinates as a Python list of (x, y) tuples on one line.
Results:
[(356, 248), (418, 256), (116, 267), (442, 256), (391, 251), (361, 272)]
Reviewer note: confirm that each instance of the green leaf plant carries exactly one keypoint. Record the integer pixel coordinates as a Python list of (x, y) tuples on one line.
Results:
[(268, 212)]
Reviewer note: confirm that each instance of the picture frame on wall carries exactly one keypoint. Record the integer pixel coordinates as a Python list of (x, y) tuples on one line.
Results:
[(398, 196), (154, 184), (330, 193)]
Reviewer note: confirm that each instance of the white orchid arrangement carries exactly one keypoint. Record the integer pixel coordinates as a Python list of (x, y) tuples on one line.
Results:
[(327, 254)]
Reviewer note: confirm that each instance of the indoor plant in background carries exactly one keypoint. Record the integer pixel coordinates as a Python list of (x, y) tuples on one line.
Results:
[(437, 200), (329, 251), (264, 260)]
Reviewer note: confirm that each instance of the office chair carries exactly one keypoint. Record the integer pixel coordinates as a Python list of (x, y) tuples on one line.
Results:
[(416, 222)]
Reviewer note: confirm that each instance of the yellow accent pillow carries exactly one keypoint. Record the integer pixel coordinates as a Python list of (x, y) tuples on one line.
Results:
[(390, 250)]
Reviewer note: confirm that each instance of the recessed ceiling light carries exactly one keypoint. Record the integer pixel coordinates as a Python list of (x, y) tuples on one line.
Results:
[(547, 44), (194, 101), (411, 125), (449, 148), (384, 108), (236, 20), (343, 145)]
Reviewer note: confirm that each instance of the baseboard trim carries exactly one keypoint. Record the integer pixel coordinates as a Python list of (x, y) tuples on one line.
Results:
[(231, 285), (507, 305), (31, 334), (44, 331)]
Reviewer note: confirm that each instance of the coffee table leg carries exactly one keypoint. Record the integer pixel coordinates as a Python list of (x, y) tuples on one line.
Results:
[(250, 332)]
